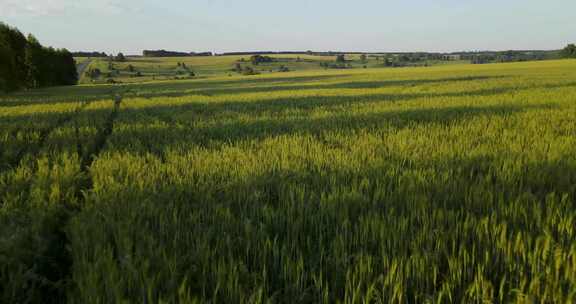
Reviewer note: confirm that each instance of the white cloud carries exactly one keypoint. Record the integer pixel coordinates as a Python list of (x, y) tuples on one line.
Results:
[(35, 8)]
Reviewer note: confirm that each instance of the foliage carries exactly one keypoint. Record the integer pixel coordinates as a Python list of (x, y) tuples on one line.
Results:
[(164, 53), (12, 51), (339, 65), (120, 57), (569, 51), (25, 63), (249, 71), (257, 59), (89, 54), (94, 73)]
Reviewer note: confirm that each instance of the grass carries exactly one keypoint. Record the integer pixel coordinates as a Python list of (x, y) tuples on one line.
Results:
[(419, 185), (154, 68)]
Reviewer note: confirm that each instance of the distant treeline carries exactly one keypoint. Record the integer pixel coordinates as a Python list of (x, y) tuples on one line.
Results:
[(285, 53), (89, 54), (508, 56), (404, 59), (164, 53), (475, 57), (25, 63)]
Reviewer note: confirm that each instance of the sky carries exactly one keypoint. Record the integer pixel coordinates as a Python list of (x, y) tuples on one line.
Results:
[(130, 26)]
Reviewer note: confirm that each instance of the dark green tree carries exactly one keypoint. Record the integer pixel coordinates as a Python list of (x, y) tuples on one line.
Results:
[(120, 57), (257, 59), (569, 51), (67, 72), (94, 73), (6, 65), (25, 63), (13, 70), (237, 68), (35, 63)]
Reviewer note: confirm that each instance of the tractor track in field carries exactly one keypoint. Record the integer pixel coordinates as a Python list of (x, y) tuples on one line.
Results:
[(60, 253), (101, 137), (43, 135), (80, 68), (57, 253)]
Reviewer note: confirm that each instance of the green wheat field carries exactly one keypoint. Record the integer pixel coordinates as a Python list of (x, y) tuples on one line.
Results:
[(444, 184)]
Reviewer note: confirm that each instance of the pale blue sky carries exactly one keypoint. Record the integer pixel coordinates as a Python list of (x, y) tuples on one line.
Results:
[(233, 25)]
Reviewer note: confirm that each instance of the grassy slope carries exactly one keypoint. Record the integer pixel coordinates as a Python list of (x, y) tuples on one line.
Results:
[(449, 183), (218, 66)]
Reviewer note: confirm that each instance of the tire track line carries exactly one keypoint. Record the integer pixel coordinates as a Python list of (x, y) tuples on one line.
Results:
[(102, 136), (44, 133)]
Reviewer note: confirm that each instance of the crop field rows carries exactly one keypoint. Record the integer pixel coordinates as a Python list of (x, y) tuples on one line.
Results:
[(423, 185), (147, 69)]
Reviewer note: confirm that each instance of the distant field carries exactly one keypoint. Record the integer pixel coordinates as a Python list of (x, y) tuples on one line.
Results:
[(146, 69), (81, 59), (411, 185)]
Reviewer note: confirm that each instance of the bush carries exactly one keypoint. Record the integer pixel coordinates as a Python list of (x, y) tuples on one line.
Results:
[(120, 57), (94, 73), (569, 51), (249, 71), (237, 68), (257, 59)]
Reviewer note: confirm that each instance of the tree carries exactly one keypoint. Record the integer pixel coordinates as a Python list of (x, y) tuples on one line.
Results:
[(35, 63), (237, 68), (62, 68), (13, 71), (249, 71), (120, 57), (25, 63), (94, 73), (257, 59), (5, 65), (340, 58), (388, 62), (363, 58), (569, 51)]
